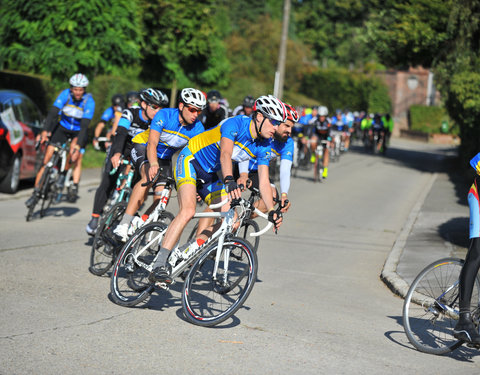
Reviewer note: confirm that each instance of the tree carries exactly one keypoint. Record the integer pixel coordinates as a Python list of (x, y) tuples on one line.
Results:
[(443, 35), (59, 38), (182, 43)]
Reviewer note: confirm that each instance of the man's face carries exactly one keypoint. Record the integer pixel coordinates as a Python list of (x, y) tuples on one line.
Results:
[(189, 113), (214, 105), (150, 109), (248, 110), (268, 128), (78, 92), (284, 130), (314, 112)]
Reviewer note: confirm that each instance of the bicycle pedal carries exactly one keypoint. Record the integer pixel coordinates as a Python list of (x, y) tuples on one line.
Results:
[(162, 285)]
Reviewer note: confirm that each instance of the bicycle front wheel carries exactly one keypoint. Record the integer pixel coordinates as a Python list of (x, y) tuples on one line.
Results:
[(430, 310), (129, 284), (49, 192), (104, 248), (209, 298), (249, 226)]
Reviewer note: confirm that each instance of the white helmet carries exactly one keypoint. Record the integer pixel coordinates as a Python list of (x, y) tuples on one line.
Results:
[(79, 80), (152, 96), (271, 107), (322, 111), (193, 97)]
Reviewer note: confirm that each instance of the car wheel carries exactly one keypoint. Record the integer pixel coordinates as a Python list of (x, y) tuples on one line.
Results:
[(10, 183)]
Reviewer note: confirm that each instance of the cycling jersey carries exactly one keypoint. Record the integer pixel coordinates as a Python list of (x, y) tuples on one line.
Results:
[(205, 147), (108, 114), (173, 135), (132, 123), (322, 128), (284, 150), (72, 111), (211, 119)]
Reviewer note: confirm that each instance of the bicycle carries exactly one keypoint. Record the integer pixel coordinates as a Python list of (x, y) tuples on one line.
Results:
[(105, 247), (430, 309), (48, 182), (222, 271), (319, 167)]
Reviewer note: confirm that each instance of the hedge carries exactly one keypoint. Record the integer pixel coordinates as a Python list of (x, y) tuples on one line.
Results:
[(429, 119)]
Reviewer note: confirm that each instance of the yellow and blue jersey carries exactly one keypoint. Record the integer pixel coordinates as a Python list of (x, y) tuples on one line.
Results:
[(173, 135), (205, 147), (279, 149), (72, 111)]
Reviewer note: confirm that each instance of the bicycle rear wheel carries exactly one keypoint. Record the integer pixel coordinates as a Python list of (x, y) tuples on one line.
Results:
[(209, 300), (105, 247), (129, 284), (430, 310)]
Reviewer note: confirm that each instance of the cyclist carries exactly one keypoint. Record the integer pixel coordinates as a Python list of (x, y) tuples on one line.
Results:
[(282, 145), (246, 108), (214, 112), (75, 107), (237, 138), (113, 114), (465, 329), (388, 128), (132, 99), (134, 120), (321, 132), (170, 130)]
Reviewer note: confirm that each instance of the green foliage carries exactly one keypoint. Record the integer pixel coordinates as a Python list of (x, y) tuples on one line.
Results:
[(93, 158), (182, 43), (334, 29), (59, 38), (339, 88), (428, 119)]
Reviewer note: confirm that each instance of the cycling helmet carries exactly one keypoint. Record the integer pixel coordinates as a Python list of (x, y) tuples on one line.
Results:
[(155, 97), (213, 96), (132, 96), (271, 107), (322, 111), (193, 97), (249, 101), (117, 100), (78, 80), (292, 113)]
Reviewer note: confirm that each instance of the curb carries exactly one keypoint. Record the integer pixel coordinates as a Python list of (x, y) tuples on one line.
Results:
[(389, 273)]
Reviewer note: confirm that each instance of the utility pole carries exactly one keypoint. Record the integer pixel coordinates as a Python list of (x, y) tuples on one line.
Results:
[(280, 73)]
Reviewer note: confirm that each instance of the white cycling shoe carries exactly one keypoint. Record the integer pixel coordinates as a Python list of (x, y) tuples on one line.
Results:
[(122, 232)]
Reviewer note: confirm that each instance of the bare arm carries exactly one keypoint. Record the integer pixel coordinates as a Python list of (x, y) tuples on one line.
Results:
[(153, 139)]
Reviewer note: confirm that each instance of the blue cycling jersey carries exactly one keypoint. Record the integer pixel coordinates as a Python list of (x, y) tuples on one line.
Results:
[(73, 111), (205, 147), (108, 114), (284, 150), (173, 135)]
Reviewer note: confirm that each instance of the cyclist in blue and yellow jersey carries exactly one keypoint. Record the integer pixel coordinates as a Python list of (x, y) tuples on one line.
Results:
[(111, 114), (237, 138), (282, 146), (134, 120), (465, 329), (75, 107), (170, 130)]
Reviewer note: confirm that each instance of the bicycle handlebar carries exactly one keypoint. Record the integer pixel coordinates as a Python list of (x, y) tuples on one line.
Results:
[(218, 205), (114, 170)]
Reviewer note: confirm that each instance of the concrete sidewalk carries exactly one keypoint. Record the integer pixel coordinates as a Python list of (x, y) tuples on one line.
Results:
[(437, 227)]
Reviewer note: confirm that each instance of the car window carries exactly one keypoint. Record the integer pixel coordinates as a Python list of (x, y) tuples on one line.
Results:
[(17, 102), (31, 113)]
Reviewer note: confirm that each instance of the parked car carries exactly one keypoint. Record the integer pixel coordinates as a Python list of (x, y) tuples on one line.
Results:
[(20, 122)]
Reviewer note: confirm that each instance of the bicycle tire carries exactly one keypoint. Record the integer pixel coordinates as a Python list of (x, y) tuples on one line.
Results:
[(31, 209), (249, 226), (47, 193), (429, 326), (208, 302), (129, 284), (104, 248)]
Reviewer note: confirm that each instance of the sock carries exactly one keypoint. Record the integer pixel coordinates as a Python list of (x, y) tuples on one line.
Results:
[(126, 219), (162, 257)]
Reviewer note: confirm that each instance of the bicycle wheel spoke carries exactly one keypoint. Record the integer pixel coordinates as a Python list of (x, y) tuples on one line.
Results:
[(208, 298)]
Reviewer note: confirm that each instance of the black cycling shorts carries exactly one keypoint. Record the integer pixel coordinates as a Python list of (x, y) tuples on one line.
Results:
[(61, 135)]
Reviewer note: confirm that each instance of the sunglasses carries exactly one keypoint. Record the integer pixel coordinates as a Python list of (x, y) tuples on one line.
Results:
[(153, 106), (194, 110), (274, 122)]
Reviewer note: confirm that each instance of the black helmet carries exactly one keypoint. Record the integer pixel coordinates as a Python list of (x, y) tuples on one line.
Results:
[(132, 97), (155, 97), (118, 101), (249, 101), (213, 96)]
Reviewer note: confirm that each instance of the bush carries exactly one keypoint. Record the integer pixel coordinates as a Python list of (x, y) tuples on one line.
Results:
[(428, 119)]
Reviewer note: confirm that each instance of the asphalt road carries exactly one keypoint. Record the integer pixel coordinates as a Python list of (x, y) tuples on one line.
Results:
[(319, 306)]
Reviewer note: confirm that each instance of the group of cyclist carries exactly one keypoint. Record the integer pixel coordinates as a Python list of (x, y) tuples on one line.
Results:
[(225, 152)]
